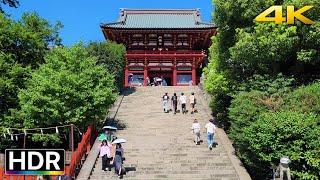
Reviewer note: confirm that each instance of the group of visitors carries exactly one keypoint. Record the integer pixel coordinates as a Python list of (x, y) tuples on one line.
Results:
[(157, 81), (112, 156), (210, 130), (175, 100)]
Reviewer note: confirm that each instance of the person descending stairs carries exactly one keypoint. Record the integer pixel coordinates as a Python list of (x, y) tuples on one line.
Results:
[(161, 145)]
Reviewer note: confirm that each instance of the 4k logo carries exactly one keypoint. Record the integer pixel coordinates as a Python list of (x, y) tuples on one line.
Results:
[(291, 15)]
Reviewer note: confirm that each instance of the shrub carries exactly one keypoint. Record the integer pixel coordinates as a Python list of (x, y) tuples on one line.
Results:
[(245, 109), (284, 133), (305, 99)]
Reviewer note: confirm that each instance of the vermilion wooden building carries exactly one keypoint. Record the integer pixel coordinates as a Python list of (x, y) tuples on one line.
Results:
[(162, 43)]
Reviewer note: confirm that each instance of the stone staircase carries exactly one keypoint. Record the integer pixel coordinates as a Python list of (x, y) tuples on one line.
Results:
[(160, 145)]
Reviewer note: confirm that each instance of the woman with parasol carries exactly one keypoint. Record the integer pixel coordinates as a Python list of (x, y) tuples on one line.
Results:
[(118, 157)]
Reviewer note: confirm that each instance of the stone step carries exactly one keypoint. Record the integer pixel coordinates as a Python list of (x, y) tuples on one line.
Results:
[(160, 145)]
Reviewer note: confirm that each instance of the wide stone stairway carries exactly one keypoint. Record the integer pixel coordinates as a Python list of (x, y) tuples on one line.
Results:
[(160, 145)]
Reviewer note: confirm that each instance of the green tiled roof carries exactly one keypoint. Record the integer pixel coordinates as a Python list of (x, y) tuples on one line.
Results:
[(159, 19)]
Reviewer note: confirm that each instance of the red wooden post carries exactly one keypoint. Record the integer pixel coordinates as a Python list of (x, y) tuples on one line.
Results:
[(174, 76), (193, 73), (145, 72), (145, 75), (126, 77)]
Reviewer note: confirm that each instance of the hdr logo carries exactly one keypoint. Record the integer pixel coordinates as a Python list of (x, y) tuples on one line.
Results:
[(291, 15), (34, 161)]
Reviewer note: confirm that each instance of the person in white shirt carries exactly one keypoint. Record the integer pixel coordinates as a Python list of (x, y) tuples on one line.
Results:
[(192, 101), (183, 102), (196, 130), (165, 102), (105, 154), (211, 128)]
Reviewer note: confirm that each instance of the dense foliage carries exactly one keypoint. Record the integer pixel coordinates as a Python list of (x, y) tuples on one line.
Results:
[(111, 56), (23, 45), (45, 84), (254, 76), (68, 88), (266, 126), (276, 134)]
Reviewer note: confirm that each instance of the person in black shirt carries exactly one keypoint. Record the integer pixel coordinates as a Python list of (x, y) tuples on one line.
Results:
[(174, 101)]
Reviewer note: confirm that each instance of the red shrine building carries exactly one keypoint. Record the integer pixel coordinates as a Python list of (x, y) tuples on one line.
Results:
[(169, 44)]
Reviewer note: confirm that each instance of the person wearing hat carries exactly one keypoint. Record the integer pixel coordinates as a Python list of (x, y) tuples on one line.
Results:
[(196, 130), (211, 128)]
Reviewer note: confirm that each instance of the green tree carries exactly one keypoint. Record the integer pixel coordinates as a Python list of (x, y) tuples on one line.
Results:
[(69, 88), (111, 56), (23, 45)]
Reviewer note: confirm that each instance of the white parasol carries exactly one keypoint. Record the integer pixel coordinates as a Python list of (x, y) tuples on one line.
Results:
[(110, 127), (119, 140)]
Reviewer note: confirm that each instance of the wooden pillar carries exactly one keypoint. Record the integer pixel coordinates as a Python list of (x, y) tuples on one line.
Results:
[(145, 72), (193, 73), (72, 137), (174, 76), (126, 76)]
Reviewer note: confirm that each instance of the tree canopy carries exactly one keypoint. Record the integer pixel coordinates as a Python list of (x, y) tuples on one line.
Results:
[(111, 56), (45, 84), (68, 88), (23, 45)]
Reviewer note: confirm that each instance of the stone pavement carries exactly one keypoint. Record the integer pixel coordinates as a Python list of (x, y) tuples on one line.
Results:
[(160, 145)]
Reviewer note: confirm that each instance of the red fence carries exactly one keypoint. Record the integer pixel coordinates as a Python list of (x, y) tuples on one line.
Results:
[(77, 158)]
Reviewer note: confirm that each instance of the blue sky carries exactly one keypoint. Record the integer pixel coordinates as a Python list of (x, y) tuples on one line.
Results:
[(81, 19)]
